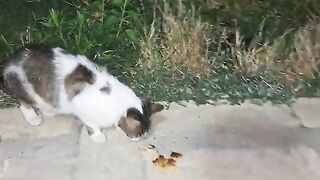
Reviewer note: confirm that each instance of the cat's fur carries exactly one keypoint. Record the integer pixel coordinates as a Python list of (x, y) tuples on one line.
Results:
[(53, 82)]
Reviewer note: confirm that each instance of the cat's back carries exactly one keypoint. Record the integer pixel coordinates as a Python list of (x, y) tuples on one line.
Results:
[(30, 53)]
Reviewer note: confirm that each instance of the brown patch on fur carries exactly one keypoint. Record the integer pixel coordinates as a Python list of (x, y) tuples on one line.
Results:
[(14, 86), (135, 123), (77, 80), (36, 62), (130, 126), (40, 72)]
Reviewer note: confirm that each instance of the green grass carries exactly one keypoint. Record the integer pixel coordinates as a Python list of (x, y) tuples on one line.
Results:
[(191, 50)]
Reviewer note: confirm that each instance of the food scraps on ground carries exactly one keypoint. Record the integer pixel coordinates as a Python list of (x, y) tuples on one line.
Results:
[(175, 155), (162, 161)]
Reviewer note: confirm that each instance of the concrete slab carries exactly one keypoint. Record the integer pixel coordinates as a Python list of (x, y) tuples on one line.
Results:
[(38, 159), (216, 142), (117, 158), (14, 126), (307, 109)]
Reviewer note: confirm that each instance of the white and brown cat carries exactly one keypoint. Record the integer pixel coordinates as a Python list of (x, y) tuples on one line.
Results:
[(52, 81)]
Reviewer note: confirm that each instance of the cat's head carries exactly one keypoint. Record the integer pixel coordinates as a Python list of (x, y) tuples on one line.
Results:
[(136, 124)]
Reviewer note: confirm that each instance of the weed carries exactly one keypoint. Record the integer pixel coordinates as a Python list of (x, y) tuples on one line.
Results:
[(181, 45), (187, 49), (305, 58)]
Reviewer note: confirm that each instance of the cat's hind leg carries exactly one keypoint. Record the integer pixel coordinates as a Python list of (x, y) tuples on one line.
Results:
[(13, 83), (30, 115)]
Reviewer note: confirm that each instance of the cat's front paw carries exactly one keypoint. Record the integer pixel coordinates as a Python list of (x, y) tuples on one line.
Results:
[(135, 138), (98, 137), (36, 121)]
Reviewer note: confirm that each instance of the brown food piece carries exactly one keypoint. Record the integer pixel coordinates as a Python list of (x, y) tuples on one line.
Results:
[(175, 155), (163, 162), (171, 162), (160, 161)]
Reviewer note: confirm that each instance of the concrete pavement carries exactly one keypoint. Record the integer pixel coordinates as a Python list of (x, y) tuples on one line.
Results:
[(220, 142)]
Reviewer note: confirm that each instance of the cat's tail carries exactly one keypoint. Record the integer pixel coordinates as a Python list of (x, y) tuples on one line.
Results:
[(2, 65), (6, 99)]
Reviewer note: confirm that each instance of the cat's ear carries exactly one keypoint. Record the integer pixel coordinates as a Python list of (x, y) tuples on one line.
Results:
[(150, 108)]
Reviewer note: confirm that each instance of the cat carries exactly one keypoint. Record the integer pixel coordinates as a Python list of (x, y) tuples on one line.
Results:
[(53, 81)]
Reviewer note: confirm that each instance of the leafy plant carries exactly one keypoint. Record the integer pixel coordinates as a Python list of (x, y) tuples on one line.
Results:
[(107, 32), (185, 50)]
